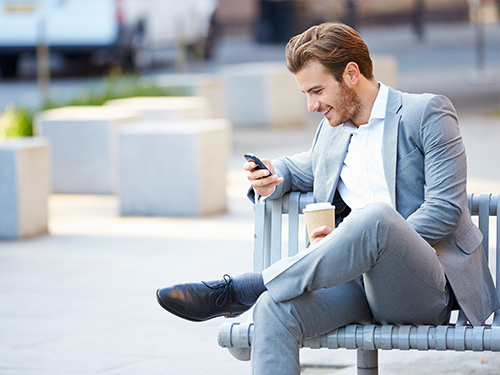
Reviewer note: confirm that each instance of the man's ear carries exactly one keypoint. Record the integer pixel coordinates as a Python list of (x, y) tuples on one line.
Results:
[(351, 73)]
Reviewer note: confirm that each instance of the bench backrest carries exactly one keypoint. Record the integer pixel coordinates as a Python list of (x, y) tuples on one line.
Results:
[(269, 231)]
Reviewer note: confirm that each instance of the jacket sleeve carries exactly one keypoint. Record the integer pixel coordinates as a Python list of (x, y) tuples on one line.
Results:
[(445, 172), (297, 171)]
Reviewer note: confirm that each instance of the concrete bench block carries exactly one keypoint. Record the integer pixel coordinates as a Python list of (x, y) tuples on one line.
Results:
[(385, 69), (83, 147), (166, 107), (209, 86), (175, 170), (263, 95), (24, 187)]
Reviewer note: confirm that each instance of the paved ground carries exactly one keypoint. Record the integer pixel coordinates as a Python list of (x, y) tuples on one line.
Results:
[(81, 299)]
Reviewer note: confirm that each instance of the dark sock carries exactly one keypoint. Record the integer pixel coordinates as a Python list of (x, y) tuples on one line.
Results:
[(248, 287)]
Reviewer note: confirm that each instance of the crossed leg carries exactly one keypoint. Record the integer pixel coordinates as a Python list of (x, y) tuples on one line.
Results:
[(280, 327), (321, 289)]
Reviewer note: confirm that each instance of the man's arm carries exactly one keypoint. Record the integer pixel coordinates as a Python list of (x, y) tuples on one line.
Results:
[(262, 184), (294, 173), (290, 174), (445, 172)]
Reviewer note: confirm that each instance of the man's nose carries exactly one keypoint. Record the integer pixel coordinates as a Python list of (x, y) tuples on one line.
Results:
[(312, 105)]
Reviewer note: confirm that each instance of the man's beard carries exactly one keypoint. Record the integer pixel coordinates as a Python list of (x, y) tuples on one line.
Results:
[(348, 106)]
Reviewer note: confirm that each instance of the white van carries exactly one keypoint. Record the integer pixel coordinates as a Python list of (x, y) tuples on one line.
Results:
[(105, 31)]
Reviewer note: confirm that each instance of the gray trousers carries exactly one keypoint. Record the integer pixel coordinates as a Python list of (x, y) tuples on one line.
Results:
[(373, 268)]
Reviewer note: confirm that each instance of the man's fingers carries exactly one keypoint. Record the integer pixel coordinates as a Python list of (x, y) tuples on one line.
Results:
[(269, 165), (263, 181), (321, 231), (249, 166)]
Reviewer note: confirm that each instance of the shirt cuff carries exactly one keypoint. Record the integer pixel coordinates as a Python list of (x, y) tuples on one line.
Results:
[(261, 199)]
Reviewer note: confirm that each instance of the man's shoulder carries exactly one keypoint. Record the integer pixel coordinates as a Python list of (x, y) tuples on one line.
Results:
[(415, 101)]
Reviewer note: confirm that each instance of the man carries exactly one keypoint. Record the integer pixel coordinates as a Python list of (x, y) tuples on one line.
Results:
[(406, 251)]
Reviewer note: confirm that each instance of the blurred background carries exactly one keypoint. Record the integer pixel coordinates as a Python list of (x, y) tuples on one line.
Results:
[(62, 45), (123, 125)]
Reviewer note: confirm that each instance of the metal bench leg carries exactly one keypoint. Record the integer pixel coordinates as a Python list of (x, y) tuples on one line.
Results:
[(367, 362)]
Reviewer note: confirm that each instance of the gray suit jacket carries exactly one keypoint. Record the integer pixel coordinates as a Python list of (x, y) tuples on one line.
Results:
[(425, 169)]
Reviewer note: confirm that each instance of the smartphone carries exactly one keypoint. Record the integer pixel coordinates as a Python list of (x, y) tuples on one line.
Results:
[(256, 160)]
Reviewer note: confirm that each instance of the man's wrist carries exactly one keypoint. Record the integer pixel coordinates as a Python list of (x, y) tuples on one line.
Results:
[(261, 198)]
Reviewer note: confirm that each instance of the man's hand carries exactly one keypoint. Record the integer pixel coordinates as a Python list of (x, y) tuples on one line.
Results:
[(320, 232), (260, 179)]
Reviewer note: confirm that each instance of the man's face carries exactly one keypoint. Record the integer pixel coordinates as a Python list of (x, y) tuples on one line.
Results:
[(338, 102)]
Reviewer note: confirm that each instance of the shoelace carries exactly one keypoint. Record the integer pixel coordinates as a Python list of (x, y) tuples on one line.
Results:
[(223, 290)]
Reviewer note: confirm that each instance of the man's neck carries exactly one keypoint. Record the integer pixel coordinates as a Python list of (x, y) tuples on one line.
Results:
[(367, 92)]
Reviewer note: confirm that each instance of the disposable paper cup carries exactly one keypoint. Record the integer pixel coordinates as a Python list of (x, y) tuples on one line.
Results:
[(318, 214)]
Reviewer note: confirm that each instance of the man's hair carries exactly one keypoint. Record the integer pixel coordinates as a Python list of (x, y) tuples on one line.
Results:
[(334, 45)]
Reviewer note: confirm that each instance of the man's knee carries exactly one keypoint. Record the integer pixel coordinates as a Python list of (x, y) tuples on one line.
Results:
[(379, 209), (267, 311), (377, 212)]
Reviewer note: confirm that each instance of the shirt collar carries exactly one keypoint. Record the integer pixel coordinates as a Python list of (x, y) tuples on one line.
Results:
[(380, 105)]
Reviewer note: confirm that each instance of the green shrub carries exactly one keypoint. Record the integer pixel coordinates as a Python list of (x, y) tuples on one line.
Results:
[(15, 122), (18, 122), (115, 86)]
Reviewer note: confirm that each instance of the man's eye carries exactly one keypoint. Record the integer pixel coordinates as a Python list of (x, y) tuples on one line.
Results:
[(317, 92)]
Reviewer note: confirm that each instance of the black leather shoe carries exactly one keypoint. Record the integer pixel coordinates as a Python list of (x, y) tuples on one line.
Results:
[(198, 302)]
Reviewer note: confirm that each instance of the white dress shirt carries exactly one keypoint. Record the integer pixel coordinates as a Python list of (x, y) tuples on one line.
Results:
[(362, 179)]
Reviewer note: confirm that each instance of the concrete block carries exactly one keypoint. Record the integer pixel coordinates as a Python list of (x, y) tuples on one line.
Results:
[(83, 147), (263, 95), (209, 86), (166, 107), (385, 69), (178, 170), (24, 187)]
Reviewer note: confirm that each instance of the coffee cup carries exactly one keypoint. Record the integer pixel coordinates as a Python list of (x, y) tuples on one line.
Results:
[(318, 214)]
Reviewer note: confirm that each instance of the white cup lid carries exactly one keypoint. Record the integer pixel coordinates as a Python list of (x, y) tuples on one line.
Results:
[(318, 206)]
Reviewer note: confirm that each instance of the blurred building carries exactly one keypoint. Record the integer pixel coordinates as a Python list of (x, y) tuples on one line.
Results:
[(277, 20)]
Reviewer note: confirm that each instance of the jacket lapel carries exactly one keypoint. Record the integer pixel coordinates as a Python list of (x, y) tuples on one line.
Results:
[(390, 141), (335, 160)]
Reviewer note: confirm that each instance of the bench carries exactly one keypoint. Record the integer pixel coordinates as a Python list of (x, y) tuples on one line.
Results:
[(165, 108), (458, 335), (24, 187), (207, 85), (83, 146), (152, 155), (263, 95)]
